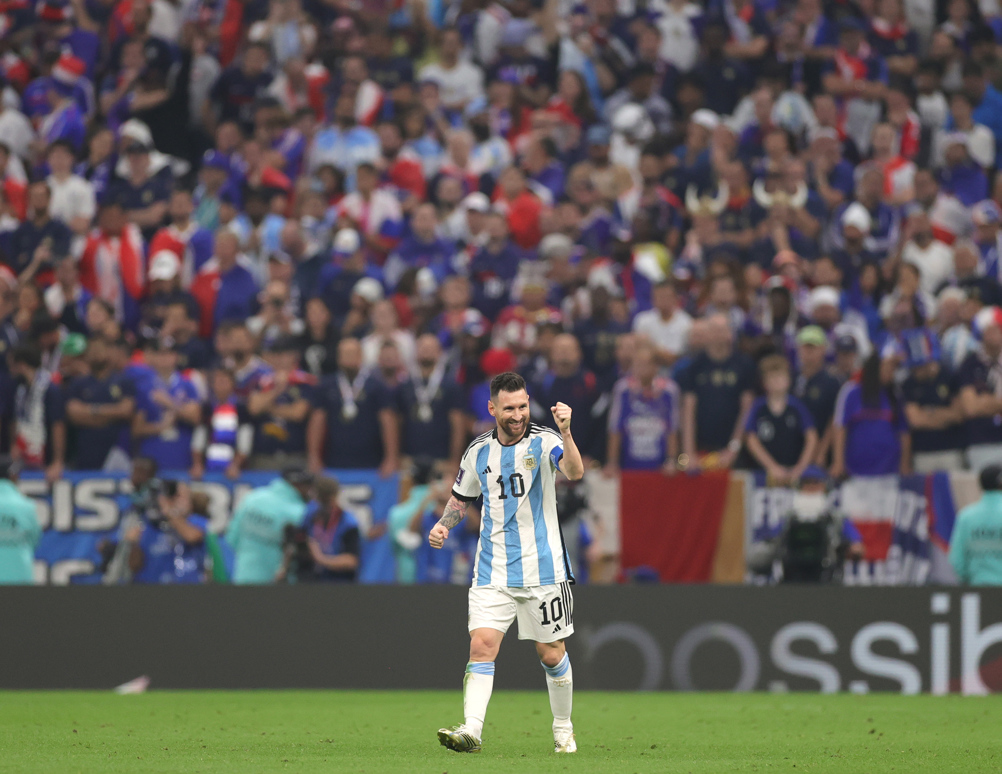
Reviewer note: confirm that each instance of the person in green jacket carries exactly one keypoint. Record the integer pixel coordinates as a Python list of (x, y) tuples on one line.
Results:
[(976, 543), (257, 531), (19, 529)]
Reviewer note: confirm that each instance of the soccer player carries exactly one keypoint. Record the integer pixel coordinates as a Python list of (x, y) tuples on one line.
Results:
[(521, 570)]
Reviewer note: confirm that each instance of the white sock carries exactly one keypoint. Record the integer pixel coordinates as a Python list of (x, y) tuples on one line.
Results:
[(477, 686), (560, 684)]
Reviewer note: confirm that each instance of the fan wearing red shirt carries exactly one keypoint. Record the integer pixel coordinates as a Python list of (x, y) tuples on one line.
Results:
[(523, 207)]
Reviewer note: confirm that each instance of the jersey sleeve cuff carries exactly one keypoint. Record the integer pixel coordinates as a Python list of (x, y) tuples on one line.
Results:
[(463, 498)]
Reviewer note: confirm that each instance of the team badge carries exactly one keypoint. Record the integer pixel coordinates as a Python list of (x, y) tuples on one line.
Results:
[(529, 462)]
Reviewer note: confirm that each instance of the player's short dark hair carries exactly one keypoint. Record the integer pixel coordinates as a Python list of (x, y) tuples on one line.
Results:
[(509, 381)]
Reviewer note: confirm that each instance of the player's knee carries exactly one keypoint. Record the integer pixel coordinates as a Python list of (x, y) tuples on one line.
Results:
[(551, 653), (483, 647)]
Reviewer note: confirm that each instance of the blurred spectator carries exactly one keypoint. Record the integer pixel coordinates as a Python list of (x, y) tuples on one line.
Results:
[(665, 325), (111, 266), (39, 434), (932, 406), (717, 393), (167, 412), (40, 240), (276, 318), (975, 543), (353, 424), (99, 407), (386, 328), (644, 418), (67, 299), (980, 379), (430, 404), (334, 538), (567, 382), (780, 433), (279, 405), (815, 386), (871, 435), (171, 547), (21, 529), (257, 532), (224, 438)]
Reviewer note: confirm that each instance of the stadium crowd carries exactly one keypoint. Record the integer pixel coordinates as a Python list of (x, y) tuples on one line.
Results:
[(754, 233)]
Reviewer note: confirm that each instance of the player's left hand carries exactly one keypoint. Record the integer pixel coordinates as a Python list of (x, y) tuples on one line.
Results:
[(562, 416)]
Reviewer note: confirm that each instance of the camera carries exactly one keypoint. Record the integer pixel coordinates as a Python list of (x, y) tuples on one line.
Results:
[(296, 546)]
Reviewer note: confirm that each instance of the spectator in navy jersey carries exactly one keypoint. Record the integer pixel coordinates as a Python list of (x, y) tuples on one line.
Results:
[(871, 436), (780, 434)]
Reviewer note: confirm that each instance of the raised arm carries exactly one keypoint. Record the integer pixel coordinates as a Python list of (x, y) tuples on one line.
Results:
[(455, 512), (571, 465)]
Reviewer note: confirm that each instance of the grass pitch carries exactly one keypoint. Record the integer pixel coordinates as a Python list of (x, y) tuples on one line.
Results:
[(375, 732)]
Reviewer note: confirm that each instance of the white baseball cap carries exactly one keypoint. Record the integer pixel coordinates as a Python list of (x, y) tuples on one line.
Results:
[(856, 215), (164, 265), (477, 202), (346, 242), (369, 289), (706, 119), (822, 296)]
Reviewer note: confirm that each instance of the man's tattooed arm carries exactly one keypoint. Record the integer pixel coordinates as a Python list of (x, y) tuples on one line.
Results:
[(455, 512)]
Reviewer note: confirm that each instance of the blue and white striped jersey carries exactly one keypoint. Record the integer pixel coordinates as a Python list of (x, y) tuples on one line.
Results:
[(520, 540)]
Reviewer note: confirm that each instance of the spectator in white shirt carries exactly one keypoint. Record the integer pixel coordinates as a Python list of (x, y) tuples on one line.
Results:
[(933, 259), (665, 325), (73, 199), (459, 81), (15, 130), (386, 327)]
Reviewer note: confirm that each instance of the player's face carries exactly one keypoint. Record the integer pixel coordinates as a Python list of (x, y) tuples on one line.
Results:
[(511, 409)]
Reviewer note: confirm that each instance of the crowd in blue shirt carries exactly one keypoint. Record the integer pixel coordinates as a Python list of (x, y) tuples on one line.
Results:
[(241, 235)]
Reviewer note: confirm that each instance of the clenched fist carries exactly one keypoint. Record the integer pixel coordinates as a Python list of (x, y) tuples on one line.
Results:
[(562, 416), (437, 536)]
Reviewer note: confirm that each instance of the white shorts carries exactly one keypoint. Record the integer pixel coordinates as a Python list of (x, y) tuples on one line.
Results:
[(544, 613)]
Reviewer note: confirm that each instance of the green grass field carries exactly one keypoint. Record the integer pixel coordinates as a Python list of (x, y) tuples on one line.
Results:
[(244, 732)]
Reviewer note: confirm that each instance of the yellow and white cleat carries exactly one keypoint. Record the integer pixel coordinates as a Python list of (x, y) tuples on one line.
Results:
[(563, 741), (459, 738)]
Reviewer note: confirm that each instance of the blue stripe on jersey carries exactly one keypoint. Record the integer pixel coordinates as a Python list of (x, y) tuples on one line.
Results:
[(546, 576), (486, 546), (512, 543)]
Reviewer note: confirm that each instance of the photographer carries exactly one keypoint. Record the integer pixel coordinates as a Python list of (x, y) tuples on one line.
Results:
[(813, 541), (327, 546), (171, 547)]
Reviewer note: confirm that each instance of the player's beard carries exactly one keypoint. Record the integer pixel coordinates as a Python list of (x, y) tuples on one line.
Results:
[(514, 430)]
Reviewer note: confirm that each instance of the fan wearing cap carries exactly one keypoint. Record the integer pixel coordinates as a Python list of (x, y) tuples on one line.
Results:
[(960, 176), (65, 119), (932, 405), (164, 290), (987, 218), (346, 269), (815, 386), (692, 159), (143, 194), (883, 227), (976, 542), (99, 407), (980, 380), (22, 531), (167, 410), (183, 236), (353, 424), (933, 259), (871, 436), (823, 309), (257, 532)]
